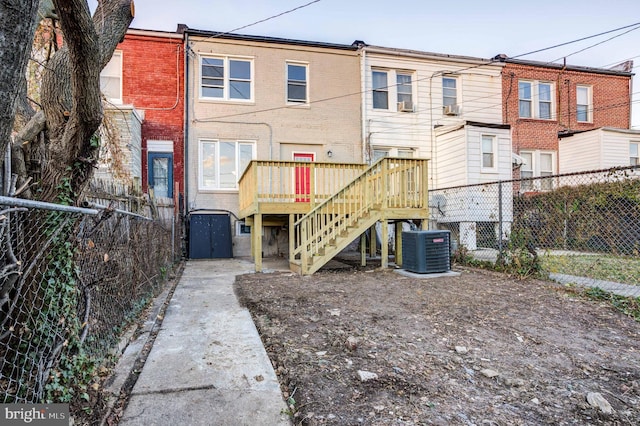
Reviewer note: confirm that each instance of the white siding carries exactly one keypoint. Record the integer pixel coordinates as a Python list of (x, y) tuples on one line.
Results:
[(451, 159), (580, 152), (615, 148)]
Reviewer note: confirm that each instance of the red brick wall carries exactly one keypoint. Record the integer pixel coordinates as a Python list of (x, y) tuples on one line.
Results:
[(153, 81), (611, 104)]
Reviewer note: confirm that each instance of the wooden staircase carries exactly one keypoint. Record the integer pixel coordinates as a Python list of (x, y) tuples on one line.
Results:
[(392, 188)]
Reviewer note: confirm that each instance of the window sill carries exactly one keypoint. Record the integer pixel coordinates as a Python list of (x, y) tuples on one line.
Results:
[(303, 105), (544, 120), (217, 191), (226, 101)]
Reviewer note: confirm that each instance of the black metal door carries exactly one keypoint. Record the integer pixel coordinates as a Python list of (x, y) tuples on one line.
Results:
[(210, 236)]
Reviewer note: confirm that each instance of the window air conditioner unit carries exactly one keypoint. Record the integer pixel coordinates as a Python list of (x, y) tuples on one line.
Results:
[(452, 110), (405, 106)]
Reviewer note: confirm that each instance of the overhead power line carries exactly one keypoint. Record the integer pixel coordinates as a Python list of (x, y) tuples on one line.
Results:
[(490, 62)]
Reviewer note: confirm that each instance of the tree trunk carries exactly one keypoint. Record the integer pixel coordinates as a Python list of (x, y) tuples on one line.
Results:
[(18, 21), (71, 98)]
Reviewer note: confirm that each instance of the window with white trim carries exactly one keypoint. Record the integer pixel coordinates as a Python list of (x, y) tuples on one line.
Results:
[(380, 90), (449, 91), (405, 91), (535, 99), (489, 153), (111, 79), (226, 78), (537, 164), (297, 83), (221, 162), (583, 104), (633, 153)]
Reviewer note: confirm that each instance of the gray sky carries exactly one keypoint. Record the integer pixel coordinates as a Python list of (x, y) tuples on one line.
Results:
[(481, 28)]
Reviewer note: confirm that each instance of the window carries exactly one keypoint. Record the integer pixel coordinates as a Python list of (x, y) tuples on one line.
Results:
[(583, 103), (449, 92), (537, 164), (111, 79), (405, 90), (222, 162), (226, 78), (380, 90), (379, 153), (535, 100), (297, 83), (633, 153), (242, 228), (526, 171), (489, 150)]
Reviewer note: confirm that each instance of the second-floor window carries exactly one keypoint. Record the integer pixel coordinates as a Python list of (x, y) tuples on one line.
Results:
[(633, 153), (535, 100), (405, 92), (380, 90), (297, 83), (111, 79), (583, 104), (449, 92), (226, 78)]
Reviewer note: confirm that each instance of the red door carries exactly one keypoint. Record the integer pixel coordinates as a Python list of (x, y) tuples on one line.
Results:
[(303, 175)]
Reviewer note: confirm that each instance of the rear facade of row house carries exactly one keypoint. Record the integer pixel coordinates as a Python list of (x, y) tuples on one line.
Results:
[(261, 98), (209, 103), (546, 103), (143, 87)]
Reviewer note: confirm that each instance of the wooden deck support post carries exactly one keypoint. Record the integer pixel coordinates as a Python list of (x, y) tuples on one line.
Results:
[(399, 243), (384, 245), (256, 241), (363, 249), (373, 241)]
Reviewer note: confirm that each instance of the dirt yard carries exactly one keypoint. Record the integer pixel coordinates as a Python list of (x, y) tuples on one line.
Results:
[(372, 347)]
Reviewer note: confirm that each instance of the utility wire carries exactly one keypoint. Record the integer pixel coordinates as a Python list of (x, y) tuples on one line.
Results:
[(489, 62)]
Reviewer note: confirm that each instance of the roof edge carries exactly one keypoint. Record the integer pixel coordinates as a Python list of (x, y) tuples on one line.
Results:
[(569, 67), (267, 39)]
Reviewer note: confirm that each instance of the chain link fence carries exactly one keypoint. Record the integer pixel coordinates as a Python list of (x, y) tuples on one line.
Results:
[(71, 280), (581, 228)]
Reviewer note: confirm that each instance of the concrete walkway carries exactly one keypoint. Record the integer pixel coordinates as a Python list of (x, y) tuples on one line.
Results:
[(207, 365)]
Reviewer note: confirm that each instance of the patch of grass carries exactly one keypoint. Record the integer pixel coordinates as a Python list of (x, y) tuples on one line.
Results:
[(609, 268), (628, 305)]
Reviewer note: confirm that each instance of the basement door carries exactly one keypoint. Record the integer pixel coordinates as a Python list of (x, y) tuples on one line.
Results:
[(302, 176)]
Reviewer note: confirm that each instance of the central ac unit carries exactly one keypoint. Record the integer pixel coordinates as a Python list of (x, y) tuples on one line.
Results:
[(451, 110), (426, 251), (405, 106)]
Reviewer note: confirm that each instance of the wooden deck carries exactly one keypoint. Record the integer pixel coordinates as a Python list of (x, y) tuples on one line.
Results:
[(327, 205)]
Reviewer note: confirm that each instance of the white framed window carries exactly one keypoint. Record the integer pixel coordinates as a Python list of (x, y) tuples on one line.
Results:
[(380, 89), (226, 78), (297, 83), (221, 162), (242, 228), (489, 147), (536, 99), (633, 154), (404, 88), (111, 79), (449, 92), (583, 104), (537, 164)]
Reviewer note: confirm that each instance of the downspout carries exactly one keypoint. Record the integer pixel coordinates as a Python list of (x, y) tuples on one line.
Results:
[(363, 104), (432, 132), (186, 144)]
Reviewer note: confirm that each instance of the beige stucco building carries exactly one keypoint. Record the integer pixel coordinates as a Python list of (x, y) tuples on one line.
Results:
[(261, 98)]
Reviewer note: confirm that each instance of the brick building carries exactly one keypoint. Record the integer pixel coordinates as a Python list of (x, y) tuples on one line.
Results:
[(146, 75), (544, 100)]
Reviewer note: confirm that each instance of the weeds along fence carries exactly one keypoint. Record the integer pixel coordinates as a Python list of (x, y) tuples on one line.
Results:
[(70, 280), (579, 228)]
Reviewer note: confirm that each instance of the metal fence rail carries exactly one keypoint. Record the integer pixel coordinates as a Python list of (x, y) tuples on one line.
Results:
[(70, 280), (584, 228)]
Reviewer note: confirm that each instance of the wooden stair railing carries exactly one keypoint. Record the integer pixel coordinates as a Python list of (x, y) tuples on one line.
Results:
[(332, 225)]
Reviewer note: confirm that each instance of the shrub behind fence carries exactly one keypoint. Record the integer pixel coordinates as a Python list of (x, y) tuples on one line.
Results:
[(70, 281), (583, 228)]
